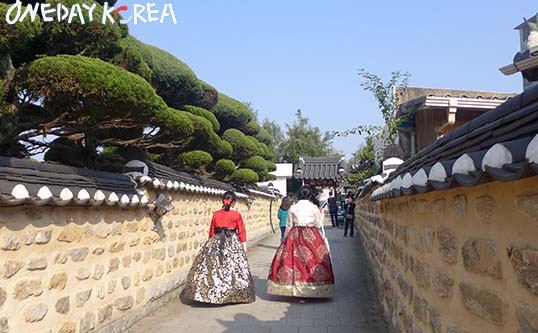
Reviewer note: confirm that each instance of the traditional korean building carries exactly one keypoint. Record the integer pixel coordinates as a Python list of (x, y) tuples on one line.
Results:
[(326, 172)]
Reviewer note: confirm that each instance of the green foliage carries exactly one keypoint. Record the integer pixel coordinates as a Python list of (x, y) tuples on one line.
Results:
[(173, 80), (243, 146), (91, 89), (251, 128), (365, 154), (204, 113), (202, 128), (194, 160), (210, 96), (224, 168), (256, 163), (128, 53), (244, 176), (265, 137), (17, 39), (231, 113), (219, 148), (388, 99), (303, 140), (271, 166)]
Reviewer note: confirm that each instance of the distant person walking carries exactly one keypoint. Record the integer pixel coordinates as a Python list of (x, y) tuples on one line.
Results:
[(283, 216), (349, 216), (333, 209)]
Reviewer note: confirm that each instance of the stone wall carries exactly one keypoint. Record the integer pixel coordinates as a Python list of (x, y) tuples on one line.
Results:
[(99, 269), (462, 260)]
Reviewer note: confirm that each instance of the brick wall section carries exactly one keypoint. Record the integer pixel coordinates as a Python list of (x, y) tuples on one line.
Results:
[(462, 260), (99, 269)]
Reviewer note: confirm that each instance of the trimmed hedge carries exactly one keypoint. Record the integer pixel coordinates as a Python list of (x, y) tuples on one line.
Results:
[(243, 146), (195, 159), (264, 137), (244, 176), (203, 129), (173, 80), (17, 39), (174, 123), (94, 88), (204, 113), (271, 166), (219, 147), (231, 113), (224, 168), (256, 163), (251, 128), (210, 96), (127, 54)]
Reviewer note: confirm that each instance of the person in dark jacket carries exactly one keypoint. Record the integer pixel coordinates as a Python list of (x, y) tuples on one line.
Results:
[(349, 216), (333, 209)]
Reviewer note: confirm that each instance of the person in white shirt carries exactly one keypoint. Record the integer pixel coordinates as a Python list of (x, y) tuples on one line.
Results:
[(302, 264)]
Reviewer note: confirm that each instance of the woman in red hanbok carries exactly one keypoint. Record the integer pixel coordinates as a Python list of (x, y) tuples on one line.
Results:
[(220, 273), (302, 264)]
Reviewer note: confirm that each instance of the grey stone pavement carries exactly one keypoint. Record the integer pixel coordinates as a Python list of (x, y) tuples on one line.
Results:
[(354, 308)]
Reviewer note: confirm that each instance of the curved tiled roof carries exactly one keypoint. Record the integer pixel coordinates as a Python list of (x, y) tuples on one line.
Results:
[(320, 168), (28, 182), (501, 144)]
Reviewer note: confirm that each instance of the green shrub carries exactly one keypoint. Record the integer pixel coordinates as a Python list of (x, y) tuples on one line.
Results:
[(256, 163), (18, 39), (127, 54), (264, 137), (93, 88), (224, 168), (204, 113), (243, 146), (244, 176), (203, 128), (195, 159), (173, 80), (219, 148), (271, 166), (231, 113), (175, 124), (251, 128), (210, 96)]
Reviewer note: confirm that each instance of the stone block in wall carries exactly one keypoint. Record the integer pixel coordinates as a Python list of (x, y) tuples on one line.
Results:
[(35, 312), (528, 319), (455, 329), (485, 207), (68, 327), (63, 305), (443, 283), (435, 321), (58, 281), (525, 263), (484, 303), (528, 204), (420, 310), (98, 272), (82, 297), (124, 303), (480, 256), (459, 205), (71, 234), (422, 274), (105, 313), (37, 264), (26, 288), (447, 245), (10, 242), (3, 296), (79, 255), (4, 325), (87, 322), (9, 268)]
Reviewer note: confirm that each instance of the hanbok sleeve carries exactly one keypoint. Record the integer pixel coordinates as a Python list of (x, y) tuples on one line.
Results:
[(317, 217), (241, 229), (212, 228), (289, 221)]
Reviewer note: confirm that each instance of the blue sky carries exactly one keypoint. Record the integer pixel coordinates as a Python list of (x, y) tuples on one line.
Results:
[(289, 55)]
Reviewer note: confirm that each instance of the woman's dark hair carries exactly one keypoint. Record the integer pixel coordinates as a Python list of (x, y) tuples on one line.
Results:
[(228, 198), (306, 193), (286, 203)]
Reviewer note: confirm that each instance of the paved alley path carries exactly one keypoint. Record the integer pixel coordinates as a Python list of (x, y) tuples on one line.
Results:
[(354, 307)]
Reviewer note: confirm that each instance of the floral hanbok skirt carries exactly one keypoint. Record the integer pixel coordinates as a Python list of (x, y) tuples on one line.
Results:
[(220, 273), (302, 266)]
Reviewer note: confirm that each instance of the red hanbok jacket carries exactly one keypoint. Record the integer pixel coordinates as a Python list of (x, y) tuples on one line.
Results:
[(228, 219)]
